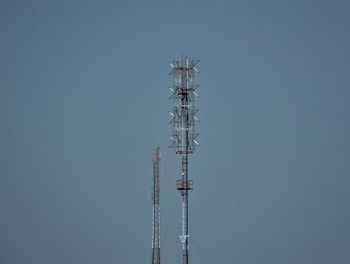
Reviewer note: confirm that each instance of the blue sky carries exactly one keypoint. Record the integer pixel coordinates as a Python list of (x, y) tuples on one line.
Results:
[(84, 98)]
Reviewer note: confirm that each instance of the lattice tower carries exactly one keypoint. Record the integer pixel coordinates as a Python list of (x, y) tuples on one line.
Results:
[(156, 208), (184, 137)]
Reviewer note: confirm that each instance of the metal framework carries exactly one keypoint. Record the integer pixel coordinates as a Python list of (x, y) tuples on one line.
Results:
[(156, 209), (184, 137)]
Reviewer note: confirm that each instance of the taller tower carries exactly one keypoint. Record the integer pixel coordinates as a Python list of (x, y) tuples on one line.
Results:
[(156, 209), (184, 136)]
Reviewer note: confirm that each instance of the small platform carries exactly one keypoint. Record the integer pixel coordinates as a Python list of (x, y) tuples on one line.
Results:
[(182, 185)]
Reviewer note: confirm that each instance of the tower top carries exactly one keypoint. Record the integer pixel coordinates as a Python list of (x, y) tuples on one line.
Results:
[(184, 112)]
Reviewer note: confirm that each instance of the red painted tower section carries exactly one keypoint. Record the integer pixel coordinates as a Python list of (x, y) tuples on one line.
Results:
[(156, 209)]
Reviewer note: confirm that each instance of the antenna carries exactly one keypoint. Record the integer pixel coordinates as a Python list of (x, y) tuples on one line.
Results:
[(184, 137)]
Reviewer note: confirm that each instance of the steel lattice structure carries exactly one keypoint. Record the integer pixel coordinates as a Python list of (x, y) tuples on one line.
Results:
[(156, 209), (184, 137)]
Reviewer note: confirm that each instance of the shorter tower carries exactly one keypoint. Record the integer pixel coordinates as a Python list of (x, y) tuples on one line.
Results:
[(156, 209)]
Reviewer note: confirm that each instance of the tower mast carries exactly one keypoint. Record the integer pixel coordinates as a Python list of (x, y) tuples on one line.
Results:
[(184, 136), (156, 209)]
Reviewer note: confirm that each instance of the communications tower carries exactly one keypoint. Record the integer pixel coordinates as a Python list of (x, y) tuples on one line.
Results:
[(184, 136), (156, 209)]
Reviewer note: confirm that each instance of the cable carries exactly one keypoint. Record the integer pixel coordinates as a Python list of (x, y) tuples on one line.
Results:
[(245, 218), (239, 250), (202, 251)]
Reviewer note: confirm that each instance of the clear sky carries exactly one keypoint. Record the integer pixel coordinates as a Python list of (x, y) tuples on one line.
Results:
[(84, 98)]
